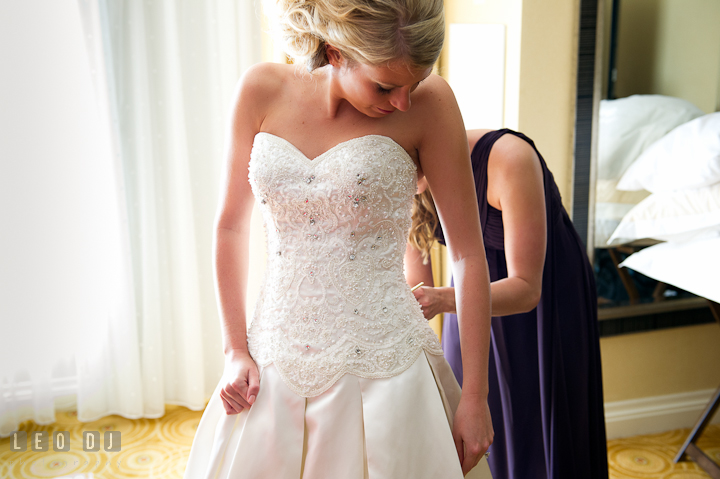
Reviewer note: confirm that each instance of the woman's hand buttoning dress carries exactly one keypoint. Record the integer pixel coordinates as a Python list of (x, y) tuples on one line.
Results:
[(339, 375), (545, 374)]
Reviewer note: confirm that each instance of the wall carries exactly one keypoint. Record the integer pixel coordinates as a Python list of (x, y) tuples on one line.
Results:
[(670, 48), (664, 362), (548, 84), (659, 381), (505, 12), (541, 58)]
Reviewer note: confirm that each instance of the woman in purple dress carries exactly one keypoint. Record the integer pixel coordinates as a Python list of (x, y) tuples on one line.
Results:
[(545, 374)]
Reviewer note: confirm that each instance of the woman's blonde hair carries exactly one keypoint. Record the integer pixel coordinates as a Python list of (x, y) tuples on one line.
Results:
[(424, 222), (372, 32)]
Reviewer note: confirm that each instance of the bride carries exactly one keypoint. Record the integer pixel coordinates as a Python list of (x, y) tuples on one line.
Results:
[(339, 374)]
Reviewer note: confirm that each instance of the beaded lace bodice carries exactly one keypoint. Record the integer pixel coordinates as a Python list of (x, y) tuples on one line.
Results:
[(334, 299)]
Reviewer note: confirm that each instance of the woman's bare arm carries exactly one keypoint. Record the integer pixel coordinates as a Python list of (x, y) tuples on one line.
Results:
[(240, 383), (432, 300), (515, 186), (445, 161), (415, 271)]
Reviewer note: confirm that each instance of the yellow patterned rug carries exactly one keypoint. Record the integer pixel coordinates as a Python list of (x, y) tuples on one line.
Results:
[(652, 456), (150, 448), (158, 449)]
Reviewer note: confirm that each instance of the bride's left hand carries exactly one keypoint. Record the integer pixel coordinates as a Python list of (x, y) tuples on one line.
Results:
[(472, 430)]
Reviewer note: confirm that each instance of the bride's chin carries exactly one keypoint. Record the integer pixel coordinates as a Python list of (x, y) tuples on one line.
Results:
[(373, 113), (376, 112)]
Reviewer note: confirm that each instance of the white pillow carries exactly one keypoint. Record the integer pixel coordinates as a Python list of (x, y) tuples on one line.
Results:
[(691, 266), (607, 219), (627, 126), (611, 206), (671, 216), (606, 192), (687, 157)]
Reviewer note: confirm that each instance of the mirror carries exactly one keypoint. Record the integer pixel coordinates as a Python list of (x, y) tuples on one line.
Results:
[(660, 69)]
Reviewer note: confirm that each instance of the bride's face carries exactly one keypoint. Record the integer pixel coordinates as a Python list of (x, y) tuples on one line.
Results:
[(378, 91)]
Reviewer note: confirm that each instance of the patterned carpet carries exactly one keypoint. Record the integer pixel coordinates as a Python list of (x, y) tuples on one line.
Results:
[(158, 449), (652, 456), (150, 448)]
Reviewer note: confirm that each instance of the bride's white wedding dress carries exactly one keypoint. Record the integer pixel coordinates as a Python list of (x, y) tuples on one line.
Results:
[(353, 384)]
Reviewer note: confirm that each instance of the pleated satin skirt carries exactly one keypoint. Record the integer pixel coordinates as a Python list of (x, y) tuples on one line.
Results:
[(391, 428)]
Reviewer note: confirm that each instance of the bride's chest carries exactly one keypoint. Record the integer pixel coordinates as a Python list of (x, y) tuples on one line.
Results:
[(369, 175)]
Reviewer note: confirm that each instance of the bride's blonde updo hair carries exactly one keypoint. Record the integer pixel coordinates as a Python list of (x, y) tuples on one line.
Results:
[(372, 32)]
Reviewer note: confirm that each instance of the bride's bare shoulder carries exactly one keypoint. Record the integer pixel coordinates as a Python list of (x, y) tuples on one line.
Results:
[(433, 90), (269, 72), (434, 108), (262, 86), (265, 79), (433, 101)]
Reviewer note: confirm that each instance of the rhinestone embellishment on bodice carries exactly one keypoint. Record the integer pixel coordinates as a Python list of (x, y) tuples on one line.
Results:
[(334, 298)]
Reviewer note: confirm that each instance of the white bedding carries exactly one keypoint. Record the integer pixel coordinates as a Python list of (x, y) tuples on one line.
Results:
[(676, 216), (608, 217), (687, 157), (664, 145), (693, 266), (681, 167), (627, 127)]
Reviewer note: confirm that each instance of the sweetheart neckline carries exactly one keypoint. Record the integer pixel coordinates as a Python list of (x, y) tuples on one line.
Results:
[(340, 145)]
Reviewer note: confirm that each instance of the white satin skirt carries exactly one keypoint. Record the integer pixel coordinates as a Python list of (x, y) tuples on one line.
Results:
[(391, 428)]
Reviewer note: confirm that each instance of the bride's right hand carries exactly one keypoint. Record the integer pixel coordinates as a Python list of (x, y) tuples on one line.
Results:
[(240, 381)]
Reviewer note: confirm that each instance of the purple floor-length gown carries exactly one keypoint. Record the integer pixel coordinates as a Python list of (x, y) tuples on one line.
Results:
[(545, 378)]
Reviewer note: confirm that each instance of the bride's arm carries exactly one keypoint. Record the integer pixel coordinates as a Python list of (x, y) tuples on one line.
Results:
[(240, 383), (445, 160)]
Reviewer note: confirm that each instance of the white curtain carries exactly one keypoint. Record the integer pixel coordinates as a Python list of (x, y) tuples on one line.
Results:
[(65, 278), (163, 73)]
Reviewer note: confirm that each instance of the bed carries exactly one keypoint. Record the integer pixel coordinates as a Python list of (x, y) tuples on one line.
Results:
[(658, 196), (658, 192)]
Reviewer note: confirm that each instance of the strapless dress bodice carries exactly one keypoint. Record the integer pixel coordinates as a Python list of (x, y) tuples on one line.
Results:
[(334, 298)]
